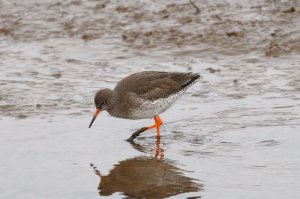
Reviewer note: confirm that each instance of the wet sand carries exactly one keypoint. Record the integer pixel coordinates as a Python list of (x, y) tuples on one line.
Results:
[(232, 135)]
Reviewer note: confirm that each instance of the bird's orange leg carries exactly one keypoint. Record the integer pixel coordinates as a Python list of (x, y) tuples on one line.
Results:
[(158, 123)]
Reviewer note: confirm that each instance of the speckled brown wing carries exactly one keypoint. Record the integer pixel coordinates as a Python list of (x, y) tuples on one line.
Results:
[(153, 85), (160, 88)]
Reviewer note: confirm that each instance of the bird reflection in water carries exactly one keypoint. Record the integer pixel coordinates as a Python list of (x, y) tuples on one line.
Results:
[(158, 151), (146, 177)]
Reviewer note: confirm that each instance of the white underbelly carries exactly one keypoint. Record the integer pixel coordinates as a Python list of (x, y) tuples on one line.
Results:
[(151, 108)]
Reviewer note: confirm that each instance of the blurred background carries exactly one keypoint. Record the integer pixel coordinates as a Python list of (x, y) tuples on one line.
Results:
[(233, 135)]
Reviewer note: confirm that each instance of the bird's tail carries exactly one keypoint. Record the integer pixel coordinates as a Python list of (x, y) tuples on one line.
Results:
[(193, 80)]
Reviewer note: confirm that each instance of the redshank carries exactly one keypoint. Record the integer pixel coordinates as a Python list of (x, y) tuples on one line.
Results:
[(143, 95)]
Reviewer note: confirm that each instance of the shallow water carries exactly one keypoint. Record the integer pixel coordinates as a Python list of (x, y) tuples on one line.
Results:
[(232, 135)]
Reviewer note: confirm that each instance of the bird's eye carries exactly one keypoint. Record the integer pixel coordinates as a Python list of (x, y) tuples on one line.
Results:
[(104, 102)]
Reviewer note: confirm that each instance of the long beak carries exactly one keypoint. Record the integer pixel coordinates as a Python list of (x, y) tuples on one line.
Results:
[(95, 115)]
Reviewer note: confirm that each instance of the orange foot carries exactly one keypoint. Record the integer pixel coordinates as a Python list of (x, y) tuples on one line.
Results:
[(158, 123)]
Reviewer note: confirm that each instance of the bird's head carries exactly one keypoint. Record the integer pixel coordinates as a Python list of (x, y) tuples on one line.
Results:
[(102, 98)]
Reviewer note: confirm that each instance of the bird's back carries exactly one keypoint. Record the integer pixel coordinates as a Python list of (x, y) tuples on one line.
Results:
[(152, 85)]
